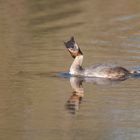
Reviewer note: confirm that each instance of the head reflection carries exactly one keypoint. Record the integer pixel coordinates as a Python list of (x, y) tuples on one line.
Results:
[(75, 99)]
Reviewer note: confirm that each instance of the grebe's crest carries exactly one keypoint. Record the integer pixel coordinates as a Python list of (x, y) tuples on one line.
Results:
[(73, 48)]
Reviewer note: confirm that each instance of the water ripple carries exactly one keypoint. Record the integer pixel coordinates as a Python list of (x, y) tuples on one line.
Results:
[(127, 17)]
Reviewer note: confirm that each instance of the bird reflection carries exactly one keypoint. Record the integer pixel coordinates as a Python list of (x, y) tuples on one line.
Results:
[(75, 99), (77, 95)]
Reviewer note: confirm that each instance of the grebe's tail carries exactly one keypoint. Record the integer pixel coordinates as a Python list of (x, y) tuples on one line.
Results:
[(135, 72)]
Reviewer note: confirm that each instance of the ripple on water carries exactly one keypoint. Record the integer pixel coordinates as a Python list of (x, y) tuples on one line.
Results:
[(127, 17)]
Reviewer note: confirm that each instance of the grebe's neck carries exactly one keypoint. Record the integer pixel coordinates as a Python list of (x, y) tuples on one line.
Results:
[(76, 67)]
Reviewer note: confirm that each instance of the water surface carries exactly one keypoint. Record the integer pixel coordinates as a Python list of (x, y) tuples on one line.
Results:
[(33, 96)]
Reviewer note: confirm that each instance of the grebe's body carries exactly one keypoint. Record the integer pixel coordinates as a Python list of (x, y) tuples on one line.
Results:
[(103, 70)]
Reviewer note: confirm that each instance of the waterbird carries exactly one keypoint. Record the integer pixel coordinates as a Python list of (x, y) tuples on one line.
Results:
[(101, 70)]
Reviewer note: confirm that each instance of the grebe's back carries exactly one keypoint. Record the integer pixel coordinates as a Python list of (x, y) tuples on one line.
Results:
[(107, 71)]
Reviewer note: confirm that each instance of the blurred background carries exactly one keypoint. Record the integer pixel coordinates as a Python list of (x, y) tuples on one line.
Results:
[(32, 53)]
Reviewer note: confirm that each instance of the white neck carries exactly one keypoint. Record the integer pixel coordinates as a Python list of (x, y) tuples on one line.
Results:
[(76, 84), (76, 68)]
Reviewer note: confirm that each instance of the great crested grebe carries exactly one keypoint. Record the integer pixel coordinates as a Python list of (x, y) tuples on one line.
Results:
[(103, 70)]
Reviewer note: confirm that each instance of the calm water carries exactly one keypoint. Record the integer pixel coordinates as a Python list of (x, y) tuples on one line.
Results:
[(34, 95)]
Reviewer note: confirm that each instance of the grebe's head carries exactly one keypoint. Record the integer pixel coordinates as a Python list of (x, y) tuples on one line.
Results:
[(73, 48)]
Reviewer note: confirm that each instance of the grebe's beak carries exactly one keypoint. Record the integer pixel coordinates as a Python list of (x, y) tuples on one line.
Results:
[(73, 48)]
